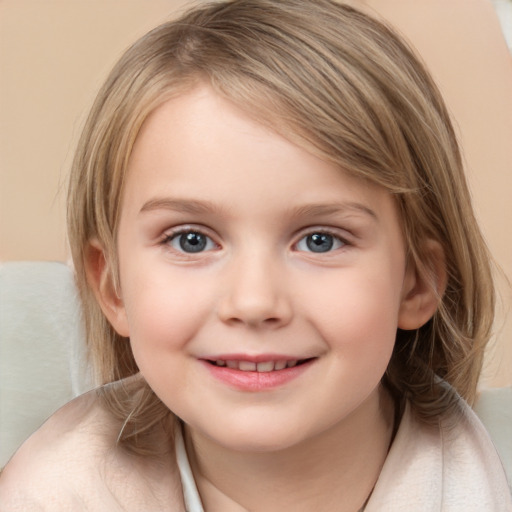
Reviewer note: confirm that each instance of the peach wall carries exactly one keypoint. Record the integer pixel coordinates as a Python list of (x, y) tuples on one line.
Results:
[(54, 55)]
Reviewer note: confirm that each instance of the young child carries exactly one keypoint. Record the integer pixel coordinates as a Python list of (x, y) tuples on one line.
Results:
[(286, 294)]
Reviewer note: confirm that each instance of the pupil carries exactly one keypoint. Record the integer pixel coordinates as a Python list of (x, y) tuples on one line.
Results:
[(320, 242), (192, 242)]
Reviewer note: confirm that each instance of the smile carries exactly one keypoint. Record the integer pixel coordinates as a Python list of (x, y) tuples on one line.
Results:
[(264, 374), (262, 367)]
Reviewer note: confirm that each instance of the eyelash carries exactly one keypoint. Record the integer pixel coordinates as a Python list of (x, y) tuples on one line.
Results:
[(337, 240)]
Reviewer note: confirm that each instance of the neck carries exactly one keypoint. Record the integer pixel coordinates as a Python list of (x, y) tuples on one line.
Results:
[(336, 470)]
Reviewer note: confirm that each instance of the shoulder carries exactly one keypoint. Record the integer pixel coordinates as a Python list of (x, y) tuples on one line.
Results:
[(73, 463), (64, 449), (451, 466), (471, 464)]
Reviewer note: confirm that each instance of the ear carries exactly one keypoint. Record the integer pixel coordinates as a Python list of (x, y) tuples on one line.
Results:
[(101, 280), (422, 293)]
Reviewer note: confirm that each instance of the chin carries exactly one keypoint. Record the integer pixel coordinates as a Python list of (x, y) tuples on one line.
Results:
[(259, 444), (258, 437)]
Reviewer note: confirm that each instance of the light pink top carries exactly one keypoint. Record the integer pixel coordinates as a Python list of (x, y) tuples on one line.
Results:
[(72, 463), (428, 469), (445, 468)]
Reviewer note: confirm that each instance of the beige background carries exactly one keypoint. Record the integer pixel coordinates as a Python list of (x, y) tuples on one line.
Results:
[(54, 55)]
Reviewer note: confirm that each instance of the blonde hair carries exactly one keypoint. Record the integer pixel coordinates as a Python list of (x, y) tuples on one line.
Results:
[(345, 87)]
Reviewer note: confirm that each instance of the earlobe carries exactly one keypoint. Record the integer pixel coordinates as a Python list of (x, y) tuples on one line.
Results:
[(101, 280), (423, 290)]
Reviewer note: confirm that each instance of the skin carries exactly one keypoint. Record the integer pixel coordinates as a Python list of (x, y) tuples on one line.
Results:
[(257, 291)]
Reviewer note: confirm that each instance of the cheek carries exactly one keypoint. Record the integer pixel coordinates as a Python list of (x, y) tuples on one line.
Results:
[(359, 315), (164, 311)]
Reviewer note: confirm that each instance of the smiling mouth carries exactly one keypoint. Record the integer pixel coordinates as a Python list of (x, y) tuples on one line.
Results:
[(260, 367)]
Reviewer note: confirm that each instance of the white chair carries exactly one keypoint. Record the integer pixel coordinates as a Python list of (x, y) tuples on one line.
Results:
[(42, 350), (494, 407)]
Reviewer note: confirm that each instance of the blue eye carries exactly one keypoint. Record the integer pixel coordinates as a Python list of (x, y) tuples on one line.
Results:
[(190, 242), (319, 243)]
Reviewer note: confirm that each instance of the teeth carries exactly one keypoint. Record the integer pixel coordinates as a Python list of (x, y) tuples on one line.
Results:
[(280, 365), (247, 366), (263, 367)]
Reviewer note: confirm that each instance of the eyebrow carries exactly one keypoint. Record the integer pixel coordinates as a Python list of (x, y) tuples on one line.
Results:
[(318, 210), (179, 205), (195, 207)]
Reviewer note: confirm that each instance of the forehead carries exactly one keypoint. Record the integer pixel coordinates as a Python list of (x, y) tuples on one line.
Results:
[(202, 147)]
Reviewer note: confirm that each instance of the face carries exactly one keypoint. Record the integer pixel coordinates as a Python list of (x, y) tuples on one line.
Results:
[(260, 286)]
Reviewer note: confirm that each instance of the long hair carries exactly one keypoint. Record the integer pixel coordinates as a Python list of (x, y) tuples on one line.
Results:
[(345, 87)]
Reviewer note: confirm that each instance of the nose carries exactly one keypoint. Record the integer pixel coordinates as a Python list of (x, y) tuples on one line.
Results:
[(255, 295)]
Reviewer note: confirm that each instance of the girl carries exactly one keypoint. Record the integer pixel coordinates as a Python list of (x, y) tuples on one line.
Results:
[(285, 291)]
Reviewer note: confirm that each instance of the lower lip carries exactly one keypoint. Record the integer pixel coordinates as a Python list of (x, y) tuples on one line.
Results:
[(256, 381)]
